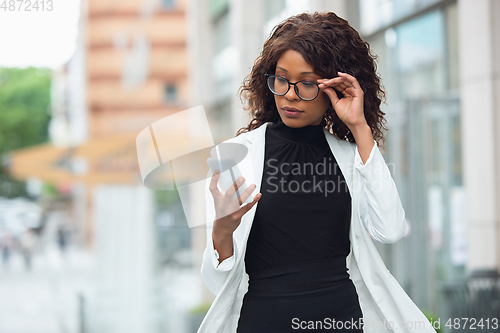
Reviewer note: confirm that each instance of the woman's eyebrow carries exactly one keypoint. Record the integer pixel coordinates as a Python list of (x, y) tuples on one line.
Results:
[(300, 73)]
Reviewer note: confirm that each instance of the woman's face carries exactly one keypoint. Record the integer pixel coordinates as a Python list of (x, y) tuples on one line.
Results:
[(292, 66)]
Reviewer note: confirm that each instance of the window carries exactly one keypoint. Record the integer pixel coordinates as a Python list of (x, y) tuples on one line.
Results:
[(217, 8), (274, 8), (168, 4), (170, 93), (419, 66)]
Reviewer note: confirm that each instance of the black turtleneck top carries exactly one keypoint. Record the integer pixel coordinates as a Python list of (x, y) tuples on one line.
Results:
[(305, 210)]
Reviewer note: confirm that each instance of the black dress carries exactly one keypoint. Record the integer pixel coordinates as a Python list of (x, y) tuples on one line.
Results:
[(299, 240)]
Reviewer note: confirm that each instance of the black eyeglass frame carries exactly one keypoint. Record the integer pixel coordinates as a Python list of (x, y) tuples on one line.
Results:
[(290, 84)]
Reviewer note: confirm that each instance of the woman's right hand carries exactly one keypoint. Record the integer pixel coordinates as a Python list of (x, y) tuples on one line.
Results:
[(228, 213)]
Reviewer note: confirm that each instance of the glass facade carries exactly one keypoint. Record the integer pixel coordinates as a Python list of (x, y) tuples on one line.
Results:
[(377, 14), (224, 66), (419, 68)]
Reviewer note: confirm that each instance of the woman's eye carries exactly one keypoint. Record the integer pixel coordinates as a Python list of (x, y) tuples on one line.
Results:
[(281, 80), (308, 84)]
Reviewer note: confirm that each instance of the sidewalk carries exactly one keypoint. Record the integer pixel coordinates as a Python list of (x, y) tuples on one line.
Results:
[(45, 299)]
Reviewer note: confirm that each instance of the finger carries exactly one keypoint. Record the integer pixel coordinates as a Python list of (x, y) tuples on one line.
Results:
[(332, 95), (334, 84), (341, 87), (350, 91), (351, 79), (249, 206), (213, 183), (244, 196), (338, 85), (235, 186), (239, 198), (345, 87), (333, 80)]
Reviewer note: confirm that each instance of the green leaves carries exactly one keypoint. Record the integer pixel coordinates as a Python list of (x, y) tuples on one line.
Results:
[(24, 115)]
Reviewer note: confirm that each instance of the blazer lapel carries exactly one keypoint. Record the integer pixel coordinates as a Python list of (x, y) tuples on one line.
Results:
[(252, 166), (344, 151), (344, 155)]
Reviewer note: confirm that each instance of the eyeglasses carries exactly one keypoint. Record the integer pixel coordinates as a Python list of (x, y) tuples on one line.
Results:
[(306, 90)]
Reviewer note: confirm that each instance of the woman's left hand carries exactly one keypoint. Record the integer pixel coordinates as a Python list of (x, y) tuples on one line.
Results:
[(349, 108)]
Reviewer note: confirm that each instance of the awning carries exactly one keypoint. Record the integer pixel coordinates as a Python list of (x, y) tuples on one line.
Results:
[(100, 160)]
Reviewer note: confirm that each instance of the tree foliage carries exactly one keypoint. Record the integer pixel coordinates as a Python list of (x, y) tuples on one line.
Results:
[(24, 117)]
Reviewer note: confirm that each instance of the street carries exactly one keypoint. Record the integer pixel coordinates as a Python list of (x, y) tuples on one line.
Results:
[(44, 299)]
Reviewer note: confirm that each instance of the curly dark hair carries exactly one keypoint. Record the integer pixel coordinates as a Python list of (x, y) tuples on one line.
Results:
[(330, 45)]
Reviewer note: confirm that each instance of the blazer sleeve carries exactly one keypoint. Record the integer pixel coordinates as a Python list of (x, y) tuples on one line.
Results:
[(214, 274), (380, 208)]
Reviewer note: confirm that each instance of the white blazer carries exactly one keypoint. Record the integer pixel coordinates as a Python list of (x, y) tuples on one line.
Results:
[(376, 211)]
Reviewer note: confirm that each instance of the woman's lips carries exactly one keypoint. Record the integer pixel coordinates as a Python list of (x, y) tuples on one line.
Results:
[(292, 112)]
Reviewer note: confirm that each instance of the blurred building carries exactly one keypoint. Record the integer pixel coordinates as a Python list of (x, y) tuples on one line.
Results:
[(136, 63), (438, 60), (129, 69), (440, 156), (136, 74)]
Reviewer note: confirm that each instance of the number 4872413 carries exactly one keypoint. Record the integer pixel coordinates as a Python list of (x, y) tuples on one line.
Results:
[(27, 5), (472, 323)]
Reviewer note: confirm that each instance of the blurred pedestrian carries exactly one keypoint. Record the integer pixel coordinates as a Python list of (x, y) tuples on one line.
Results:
[(62, 238), (28, 242), (6, 247)]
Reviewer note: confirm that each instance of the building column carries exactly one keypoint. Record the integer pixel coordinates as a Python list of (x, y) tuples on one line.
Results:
[(248, 38), (479, 38)]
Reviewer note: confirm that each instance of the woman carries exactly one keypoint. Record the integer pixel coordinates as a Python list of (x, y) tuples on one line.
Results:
[(302, 259)]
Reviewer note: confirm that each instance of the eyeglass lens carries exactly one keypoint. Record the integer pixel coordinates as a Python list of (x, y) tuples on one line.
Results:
[(280, 86)]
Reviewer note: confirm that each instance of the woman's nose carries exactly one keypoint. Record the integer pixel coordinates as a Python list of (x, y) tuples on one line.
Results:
[(291, 95)]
